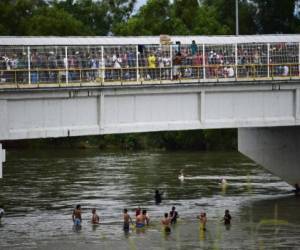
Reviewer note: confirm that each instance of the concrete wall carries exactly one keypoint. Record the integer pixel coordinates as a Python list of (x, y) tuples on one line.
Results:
[(58, 112), (277, 149)]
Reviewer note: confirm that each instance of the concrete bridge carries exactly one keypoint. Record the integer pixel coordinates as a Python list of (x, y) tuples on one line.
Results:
[(70, 86), (266, 113)]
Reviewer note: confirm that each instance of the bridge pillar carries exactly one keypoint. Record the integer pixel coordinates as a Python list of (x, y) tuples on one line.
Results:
[(2, 159), (275, 148)]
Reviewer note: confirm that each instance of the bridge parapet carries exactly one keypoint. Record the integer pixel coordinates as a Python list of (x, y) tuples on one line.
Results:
[(31, 62), (62, 112)]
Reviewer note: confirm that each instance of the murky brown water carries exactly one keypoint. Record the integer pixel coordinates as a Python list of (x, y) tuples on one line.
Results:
[(40, 189)]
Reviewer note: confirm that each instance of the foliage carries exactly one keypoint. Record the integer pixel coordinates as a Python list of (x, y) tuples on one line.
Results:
[(177, 17), (180, 17), (52, 21), (276, 16)]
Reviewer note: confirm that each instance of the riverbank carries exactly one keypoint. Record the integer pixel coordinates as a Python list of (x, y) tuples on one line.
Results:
[(225, 139)]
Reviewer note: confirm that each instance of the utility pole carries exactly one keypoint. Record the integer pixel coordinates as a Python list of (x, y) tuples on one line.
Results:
[(237, 17)]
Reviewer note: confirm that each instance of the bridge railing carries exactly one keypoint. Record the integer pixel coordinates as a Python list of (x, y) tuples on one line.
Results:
[(141, 64)]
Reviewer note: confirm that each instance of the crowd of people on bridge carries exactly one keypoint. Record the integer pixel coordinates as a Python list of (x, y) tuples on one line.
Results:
[(146, 62)]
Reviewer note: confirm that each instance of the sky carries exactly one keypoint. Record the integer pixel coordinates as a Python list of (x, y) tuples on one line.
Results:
[(139, 4)]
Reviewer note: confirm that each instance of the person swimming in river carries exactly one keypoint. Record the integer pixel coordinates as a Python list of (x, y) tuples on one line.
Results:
[(227, 217), (297, 189), (95, 217), (127, 220), (181, 176), (203, 219), (173, 215), (223, 181), (1, 213), (166, 222), (138, 211), (142, 219), (76, 216), (158, 196)]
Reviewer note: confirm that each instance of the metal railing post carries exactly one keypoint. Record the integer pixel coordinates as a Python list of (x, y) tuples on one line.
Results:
[(236, 60), (203, 61), (66, 65), (268, 60), (299, 59), (102, 65), (171, 61), (137, 62), (29, 66)]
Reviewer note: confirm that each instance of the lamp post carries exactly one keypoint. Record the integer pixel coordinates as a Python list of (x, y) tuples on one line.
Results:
[(237, 17)]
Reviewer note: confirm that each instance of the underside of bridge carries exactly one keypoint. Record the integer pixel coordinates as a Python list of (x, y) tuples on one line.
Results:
[(267, 115), (275, 148)]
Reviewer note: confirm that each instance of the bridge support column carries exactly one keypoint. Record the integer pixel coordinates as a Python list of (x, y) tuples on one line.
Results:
[(277, 149), (2, 159)]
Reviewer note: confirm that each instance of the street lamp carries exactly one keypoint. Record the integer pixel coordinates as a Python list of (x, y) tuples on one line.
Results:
[(237, 17)]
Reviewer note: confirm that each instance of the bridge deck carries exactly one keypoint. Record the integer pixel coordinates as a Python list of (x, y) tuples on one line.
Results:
[(57, 61)]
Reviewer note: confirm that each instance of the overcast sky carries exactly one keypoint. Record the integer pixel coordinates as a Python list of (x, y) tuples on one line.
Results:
[(139, 4)]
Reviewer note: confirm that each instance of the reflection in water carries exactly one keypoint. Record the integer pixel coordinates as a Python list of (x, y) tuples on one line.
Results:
[(40, 189)]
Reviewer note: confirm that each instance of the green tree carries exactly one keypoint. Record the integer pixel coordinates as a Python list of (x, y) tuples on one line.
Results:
[(177, 18), (276, 16), (52, 21), (98, 16), (225, 13), (187, 11), (147, 21), (13, 15)]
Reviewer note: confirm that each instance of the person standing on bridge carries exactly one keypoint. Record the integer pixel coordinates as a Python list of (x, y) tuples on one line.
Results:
[(177, 66), (151, 65)]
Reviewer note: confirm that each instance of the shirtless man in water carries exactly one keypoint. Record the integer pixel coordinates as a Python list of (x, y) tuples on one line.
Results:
[(127, 220), (95, 217), (142, 219), (76, 216), (166, 222)]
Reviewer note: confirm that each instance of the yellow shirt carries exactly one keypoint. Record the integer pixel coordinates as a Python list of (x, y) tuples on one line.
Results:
[(151, 61)]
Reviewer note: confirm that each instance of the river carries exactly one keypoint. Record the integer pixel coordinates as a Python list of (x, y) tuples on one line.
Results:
[(41, 188)]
